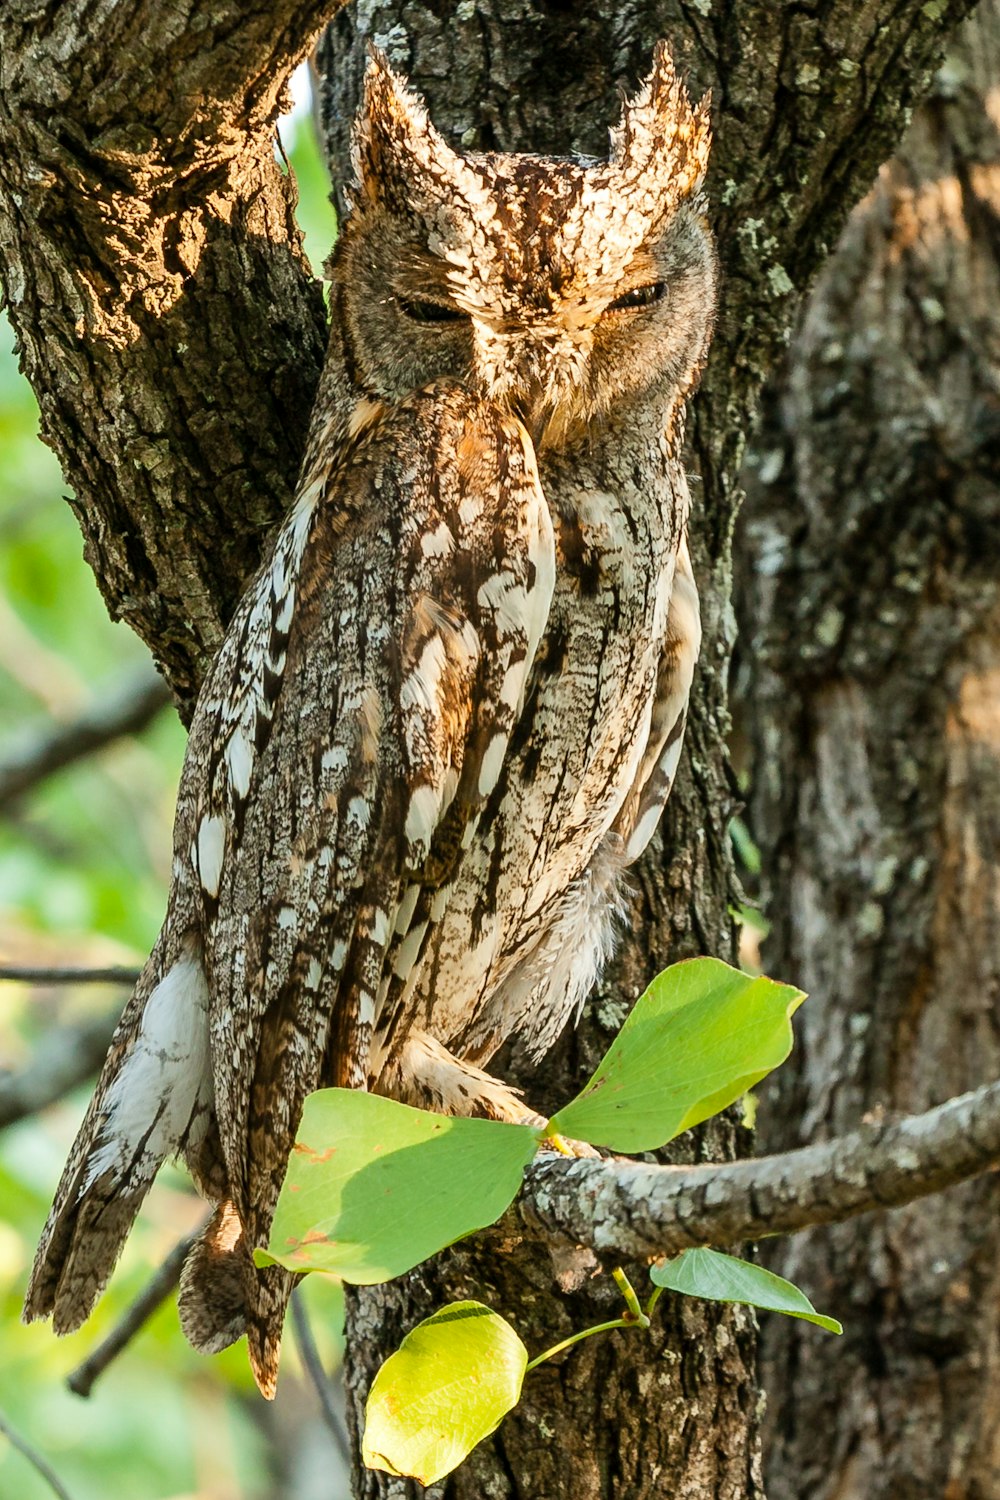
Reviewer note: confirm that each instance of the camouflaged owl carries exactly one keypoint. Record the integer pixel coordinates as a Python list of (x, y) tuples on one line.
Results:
[(449, 709)]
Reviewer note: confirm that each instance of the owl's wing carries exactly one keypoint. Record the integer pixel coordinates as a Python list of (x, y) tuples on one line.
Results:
[(155, 1095), (334, 816), (643, 807), (349, 732)]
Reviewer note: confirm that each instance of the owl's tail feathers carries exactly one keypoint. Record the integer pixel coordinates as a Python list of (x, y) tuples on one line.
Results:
[(212, 1299), (77, 1254), (153, 1099), (223, 1295), (268, 1303)]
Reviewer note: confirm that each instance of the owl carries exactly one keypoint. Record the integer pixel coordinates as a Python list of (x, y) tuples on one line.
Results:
[(449, 708)]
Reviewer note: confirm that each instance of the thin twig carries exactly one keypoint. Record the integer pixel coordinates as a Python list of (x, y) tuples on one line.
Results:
[(69, 1055), (35, 1459), (631, 1209), (126, 713), (310, 1357), (82, 1379), (43, 974)]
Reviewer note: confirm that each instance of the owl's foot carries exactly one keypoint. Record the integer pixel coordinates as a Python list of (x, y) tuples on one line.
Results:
[(430, 1077)]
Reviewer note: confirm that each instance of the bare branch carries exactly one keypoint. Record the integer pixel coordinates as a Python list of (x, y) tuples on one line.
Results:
[(69, 1056), (630, 1209), (35, 1459), (42, 974), (82, 1379), (128, 712), (313, 1365)]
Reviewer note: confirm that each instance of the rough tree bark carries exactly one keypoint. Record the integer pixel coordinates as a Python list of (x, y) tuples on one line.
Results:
[(870, 691), (154, 275), (173, 336)]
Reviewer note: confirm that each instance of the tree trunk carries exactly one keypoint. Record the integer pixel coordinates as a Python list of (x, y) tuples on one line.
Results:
[(870, 694), (672, 1413)]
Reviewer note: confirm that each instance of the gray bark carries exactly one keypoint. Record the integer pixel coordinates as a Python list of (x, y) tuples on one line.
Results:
[(870, 693), (620, 1208)]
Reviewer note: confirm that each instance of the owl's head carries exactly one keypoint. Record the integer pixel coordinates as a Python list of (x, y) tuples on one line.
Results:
[(565, 291)]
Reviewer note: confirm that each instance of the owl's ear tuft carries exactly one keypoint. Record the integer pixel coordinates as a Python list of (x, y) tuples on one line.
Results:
[(398, 156), (660, 138)]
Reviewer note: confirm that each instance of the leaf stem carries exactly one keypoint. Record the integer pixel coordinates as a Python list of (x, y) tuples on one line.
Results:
[(653, 1300), (555, 1140), (574, 1338), (631, 1298), (634, 1317)]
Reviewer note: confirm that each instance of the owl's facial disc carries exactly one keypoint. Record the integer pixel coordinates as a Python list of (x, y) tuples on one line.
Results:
[(587, 332), (563, 291)]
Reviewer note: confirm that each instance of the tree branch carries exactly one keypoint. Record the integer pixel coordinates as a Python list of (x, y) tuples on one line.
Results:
[(61, 974), (81, 1380), (35, 1459), (128, 712), (313, 1365), (629, 1209), (71, 1054), (217, 63)]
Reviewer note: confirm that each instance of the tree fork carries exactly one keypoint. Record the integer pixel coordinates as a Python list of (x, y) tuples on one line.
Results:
[(153, 271)]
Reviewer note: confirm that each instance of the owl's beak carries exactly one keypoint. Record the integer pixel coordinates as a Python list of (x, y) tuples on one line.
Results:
[(536, 405), (535, 417), (547, 422), (536, 368)]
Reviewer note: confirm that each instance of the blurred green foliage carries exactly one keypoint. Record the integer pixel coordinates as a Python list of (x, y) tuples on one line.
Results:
[(84, 863)]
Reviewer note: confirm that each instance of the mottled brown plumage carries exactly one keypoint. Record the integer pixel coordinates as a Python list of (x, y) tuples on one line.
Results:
[(449, 708)]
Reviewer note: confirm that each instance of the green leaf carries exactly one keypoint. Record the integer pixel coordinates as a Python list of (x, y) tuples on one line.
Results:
[(450, 1384), (723, 1278), (374, 1187), (701, 1035)]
